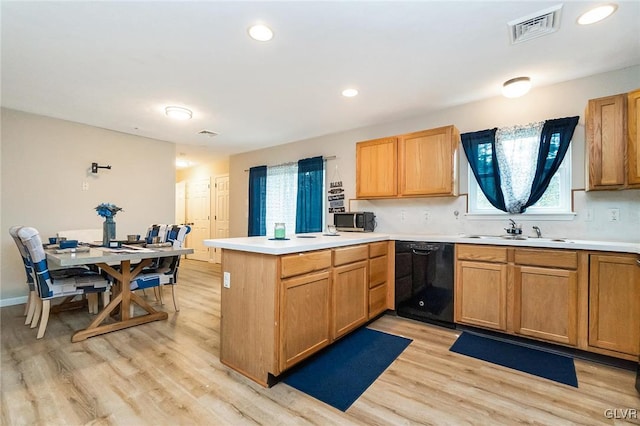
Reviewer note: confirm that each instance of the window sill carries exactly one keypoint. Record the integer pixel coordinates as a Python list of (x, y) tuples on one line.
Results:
[(524, 216)]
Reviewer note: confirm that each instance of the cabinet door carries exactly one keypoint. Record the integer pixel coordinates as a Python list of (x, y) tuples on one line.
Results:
[(606, 142), (481, 294), (633, 139), (427, 162), (350, 297), (614, 303), (376, 168), (546, 304), (304, 317)]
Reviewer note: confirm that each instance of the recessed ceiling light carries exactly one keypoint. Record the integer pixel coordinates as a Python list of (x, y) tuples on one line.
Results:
[(516, 87), (178, 113), (260, 32), (349, 93), (181, 164), (597, 14)]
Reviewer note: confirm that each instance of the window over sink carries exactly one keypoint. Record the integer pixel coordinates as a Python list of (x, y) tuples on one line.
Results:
[(521, 169)]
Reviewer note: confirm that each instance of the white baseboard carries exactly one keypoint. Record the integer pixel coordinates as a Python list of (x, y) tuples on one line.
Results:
[(13, 301)]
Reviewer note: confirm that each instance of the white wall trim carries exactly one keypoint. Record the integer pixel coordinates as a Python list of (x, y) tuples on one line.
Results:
[(13, 301)]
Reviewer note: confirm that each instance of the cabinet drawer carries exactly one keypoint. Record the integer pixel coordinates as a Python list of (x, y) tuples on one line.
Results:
[(377, 271), (547, 258), (377, 300), (302, 263), (478, 252), (378, 249), (342, 256)]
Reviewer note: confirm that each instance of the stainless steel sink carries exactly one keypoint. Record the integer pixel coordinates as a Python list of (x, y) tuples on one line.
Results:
[(517, 238), (497, 237)]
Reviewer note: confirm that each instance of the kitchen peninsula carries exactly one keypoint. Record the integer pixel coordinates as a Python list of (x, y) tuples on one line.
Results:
[(283, 300)]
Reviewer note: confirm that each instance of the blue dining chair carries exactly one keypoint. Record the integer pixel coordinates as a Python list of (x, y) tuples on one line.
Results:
[(48, 287), (32, 302), (166, 272)]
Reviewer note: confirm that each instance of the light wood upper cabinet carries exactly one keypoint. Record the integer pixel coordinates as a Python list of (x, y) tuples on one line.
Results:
[(419, 164), (633, 138), (427, 162), (614, 303), (613, 158), (376, 168)]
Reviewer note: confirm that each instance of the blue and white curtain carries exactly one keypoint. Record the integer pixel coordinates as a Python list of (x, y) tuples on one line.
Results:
[(289, 193), (513, 166)]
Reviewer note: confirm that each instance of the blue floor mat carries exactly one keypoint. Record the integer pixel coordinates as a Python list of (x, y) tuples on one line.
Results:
[(343, 371), (529, 360)]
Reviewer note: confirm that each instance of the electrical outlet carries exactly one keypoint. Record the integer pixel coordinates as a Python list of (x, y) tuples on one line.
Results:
[(85, 186), (403, 215), (226, 279), (613, 215), (426, 215)]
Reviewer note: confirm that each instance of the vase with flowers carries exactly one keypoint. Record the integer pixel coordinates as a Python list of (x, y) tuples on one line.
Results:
[(108, 211)]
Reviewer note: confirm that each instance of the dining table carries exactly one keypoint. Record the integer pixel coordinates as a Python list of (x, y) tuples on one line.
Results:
[(117, 263)]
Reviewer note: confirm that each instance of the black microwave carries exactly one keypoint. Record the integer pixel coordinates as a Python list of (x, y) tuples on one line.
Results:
[(355, 221)]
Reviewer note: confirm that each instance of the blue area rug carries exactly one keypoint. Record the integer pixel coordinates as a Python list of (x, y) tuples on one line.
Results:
[(533, 361), (340, 373)]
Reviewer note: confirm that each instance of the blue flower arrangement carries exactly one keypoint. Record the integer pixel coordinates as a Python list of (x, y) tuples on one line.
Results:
[(108, 209)]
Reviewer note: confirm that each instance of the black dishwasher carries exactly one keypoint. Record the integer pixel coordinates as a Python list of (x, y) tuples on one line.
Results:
[(424, 282)]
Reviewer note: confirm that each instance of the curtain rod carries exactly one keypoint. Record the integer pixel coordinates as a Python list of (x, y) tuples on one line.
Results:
[(331, 157)]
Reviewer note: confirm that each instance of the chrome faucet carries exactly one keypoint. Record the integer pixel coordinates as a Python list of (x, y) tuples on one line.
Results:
[(538, 231), (514, 229)]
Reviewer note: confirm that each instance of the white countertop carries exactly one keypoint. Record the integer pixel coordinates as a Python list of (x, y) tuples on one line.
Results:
[(296, 244)]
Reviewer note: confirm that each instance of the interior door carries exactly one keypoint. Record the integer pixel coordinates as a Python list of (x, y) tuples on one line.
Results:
[(222, 212), (198, 214)]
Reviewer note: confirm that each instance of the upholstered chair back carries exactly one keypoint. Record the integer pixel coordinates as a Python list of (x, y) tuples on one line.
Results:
[(13, 231), (158, 230), (176, 234), (32, 242)]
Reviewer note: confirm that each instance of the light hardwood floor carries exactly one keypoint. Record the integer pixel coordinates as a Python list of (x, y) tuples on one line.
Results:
[(168, 372)]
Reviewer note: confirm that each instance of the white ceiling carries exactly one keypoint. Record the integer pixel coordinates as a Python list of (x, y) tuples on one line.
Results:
[(116, 65)]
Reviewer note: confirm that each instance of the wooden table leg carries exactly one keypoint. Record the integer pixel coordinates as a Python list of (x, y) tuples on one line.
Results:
[(123, 301)]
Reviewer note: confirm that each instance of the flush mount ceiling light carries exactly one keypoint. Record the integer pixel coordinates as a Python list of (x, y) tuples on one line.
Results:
[(516, 87), (349, 93), (178, 113), (260, 32), (597, 14)]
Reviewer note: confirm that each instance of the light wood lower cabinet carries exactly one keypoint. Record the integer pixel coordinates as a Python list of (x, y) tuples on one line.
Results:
[(481, 294), (350, 297), (379, 271), (279, 310), (546, 304), (587, 300), (304, 317), (614, 303)]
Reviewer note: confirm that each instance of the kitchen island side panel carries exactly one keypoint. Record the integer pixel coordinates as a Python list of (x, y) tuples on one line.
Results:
[(248, 328)]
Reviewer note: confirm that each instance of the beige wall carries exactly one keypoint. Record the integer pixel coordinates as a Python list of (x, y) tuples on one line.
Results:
[(561, 100), (43, 166)]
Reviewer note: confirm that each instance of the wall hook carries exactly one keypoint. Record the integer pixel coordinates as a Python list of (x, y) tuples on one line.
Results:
[(95, 167)]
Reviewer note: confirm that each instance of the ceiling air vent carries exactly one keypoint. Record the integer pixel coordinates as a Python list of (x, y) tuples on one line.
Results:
[(535, 25), (207, 133)]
